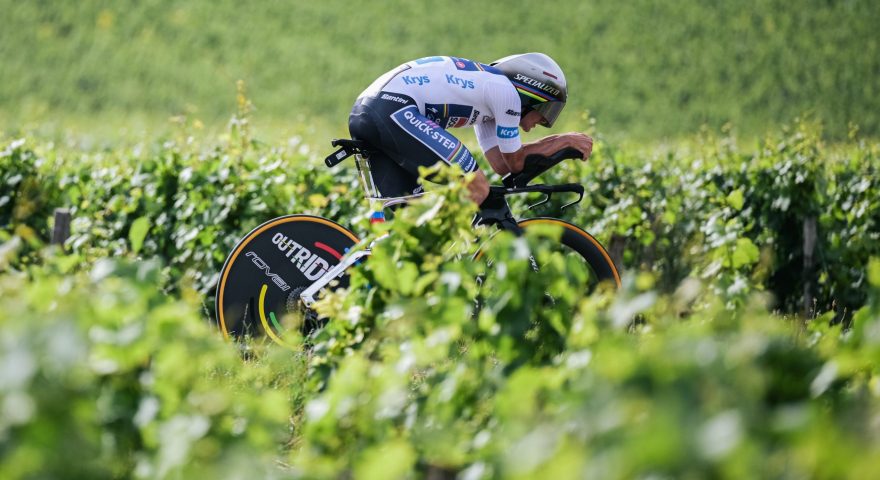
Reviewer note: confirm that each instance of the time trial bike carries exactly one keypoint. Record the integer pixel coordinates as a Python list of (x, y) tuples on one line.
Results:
[(281, 267)]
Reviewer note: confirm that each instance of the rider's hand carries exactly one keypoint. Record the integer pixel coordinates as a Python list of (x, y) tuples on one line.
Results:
[(581, 142)]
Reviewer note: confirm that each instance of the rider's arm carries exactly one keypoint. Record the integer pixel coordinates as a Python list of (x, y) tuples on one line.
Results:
[(504, 163), (500, 133), (500, 140), (478, 187)]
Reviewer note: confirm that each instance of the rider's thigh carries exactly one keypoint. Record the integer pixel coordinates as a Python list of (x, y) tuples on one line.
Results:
[(422, 142), (401, 133), (391, 179)]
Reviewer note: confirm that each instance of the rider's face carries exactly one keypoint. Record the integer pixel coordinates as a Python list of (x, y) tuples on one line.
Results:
[(529, 120)]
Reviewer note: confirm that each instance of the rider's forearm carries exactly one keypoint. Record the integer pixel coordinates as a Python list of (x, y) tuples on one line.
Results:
[(546, 146), (504, 163), (514, 162), (553, 143)]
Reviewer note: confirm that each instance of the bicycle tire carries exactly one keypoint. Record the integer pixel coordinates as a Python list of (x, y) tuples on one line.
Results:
[(577, 239), (268, 268)]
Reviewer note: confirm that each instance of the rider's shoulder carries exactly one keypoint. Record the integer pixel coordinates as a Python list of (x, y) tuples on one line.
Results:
[(460, 64)]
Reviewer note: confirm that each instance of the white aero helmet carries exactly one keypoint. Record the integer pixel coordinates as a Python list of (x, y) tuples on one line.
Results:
[(539, 82)]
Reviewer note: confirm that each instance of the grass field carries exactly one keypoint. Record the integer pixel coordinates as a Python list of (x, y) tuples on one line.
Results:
[(644, 69)]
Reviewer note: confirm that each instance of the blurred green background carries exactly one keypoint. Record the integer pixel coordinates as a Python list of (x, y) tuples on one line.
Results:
[(645, 69)]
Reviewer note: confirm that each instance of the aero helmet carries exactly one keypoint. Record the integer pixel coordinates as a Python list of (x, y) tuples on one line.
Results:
[(539, 82)]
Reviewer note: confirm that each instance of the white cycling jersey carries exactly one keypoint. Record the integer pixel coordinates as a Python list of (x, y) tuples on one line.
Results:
[(456, 92)]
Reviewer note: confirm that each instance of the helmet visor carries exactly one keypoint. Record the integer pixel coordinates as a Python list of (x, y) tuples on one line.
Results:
[(550, 111)]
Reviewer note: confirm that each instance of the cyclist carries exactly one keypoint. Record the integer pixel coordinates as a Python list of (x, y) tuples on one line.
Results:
[(406, 112)]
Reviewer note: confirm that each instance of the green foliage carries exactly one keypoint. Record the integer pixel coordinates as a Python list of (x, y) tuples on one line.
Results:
[(644, 67), (133, 383), (104, 376), (433, 363), (186, 206), (138, 232), (25, 204), (717, 395), (707, 209), (712, 209)]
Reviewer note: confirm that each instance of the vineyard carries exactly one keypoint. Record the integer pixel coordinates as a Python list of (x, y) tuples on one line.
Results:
[(735, 181), (744, 343)]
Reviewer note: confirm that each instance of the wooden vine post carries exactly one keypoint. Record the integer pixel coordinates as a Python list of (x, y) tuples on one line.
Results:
[(61, 232), (810, 236)]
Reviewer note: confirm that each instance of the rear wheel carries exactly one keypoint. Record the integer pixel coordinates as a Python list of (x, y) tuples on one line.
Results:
[(260, 283)]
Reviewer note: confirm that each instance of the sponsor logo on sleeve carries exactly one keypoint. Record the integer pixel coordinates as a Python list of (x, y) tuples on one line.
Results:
[(507, 132), (474, 117), (441, 142), (465, 160), (393, 98), (457, 122), (458, 81), (450, 115), (425, 130), (413, 80), (513, 113), (472, 66)]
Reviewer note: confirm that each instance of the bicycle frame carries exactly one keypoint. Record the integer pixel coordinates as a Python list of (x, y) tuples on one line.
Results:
[(251, 293), (499, 215), (308, 295)]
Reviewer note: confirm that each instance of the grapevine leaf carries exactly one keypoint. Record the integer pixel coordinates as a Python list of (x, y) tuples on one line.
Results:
[(138, 233)]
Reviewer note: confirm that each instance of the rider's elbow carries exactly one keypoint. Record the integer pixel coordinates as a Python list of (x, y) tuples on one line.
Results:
[(515, 160)]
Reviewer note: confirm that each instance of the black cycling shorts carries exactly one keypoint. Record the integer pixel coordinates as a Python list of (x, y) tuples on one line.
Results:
[(403, 140)]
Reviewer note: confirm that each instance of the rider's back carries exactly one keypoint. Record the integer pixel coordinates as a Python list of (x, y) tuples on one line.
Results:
[(454, 92)]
